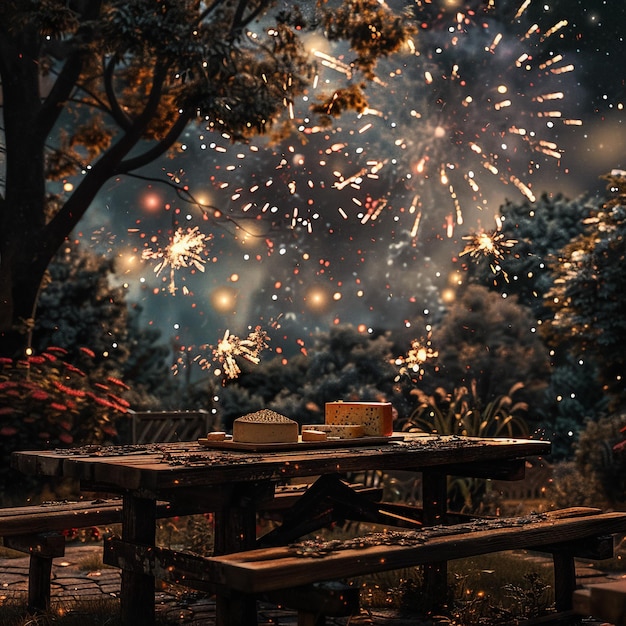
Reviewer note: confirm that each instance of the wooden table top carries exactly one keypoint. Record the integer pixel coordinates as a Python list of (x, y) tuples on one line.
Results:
[(166, 466)]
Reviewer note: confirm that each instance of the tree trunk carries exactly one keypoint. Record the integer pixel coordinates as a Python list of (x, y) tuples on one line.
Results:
[(22, 211)]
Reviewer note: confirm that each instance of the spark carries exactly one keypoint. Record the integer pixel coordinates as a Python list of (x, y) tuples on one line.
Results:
[(420, 352), (230, 347), (488, 244), (184, 249)]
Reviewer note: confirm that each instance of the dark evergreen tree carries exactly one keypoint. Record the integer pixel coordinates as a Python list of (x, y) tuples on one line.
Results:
[(79, 307), (588, 298), (490, 340), (540, 229)]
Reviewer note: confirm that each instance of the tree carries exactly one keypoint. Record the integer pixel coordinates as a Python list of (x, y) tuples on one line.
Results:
[(80, 306), (539, 229), (490, 340), (589, 293), (95, 89)]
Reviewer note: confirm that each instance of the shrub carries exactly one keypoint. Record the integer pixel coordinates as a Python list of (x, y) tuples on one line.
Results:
[(47, 402), (462, 413), (597, 475)]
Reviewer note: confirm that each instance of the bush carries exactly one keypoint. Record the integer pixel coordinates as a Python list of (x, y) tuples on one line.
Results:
[(597, 475), (46, 402)]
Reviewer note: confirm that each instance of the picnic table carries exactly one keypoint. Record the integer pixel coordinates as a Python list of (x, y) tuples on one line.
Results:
[(234, 484)]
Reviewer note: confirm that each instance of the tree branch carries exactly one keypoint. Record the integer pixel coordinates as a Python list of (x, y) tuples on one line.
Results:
[(157, 150), (68, 76), (210, 9), (120, 117), (239, 21)]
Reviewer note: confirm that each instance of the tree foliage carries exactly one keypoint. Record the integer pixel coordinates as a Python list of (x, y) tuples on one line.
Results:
[(96, 89), (80, 304), (343, 364), (539, 229), (588, 297), (488, 341)]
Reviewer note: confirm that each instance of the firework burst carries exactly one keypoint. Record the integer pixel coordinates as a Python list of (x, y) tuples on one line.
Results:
[(485, 93), (185, 249), (231, 347), (412, 363), (473, 105), (492, 245)]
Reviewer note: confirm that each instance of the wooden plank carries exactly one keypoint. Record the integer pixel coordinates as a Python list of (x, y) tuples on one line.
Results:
[(268, 569), (66, 515), (47, 545), (177, 465)]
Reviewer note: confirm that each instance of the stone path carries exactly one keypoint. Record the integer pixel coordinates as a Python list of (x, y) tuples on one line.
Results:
[(71, 582)]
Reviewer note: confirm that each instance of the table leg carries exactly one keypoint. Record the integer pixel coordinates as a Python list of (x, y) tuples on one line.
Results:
[(137, 589), (435, 500), (235, 530)]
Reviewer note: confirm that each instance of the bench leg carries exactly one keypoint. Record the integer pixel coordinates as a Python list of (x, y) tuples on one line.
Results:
[(235, 611), (564, 581), (235, 529), (42, 548), (39, 572)]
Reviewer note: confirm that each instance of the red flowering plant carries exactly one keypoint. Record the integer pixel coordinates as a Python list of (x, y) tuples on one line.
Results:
[(47, 402)]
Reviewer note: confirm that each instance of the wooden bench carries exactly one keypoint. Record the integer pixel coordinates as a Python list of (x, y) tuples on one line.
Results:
[(566, 534), (39, 531)]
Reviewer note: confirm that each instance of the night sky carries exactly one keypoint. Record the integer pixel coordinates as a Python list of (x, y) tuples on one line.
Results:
[(359, 224)]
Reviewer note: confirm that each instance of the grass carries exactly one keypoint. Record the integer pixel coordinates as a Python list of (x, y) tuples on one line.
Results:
[(502, 584), (104, 612), (92, 562)]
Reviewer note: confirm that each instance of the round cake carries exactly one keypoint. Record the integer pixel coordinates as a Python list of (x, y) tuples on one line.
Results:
[(265, 426)]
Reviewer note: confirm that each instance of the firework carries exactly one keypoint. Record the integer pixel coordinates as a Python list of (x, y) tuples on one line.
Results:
[(185, 249), (470, 107), (492, 245), (230, 347), (480, 96), (412, 363)]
